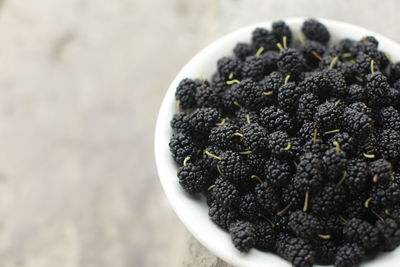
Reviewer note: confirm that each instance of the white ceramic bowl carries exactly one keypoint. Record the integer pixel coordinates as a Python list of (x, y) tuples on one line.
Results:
[(192, 211)]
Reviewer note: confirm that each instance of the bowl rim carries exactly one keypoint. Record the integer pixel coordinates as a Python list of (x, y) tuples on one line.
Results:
[(207, 233)]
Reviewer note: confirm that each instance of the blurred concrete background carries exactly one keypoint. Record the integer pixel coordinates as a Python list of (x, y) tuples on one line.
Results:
[(80, 86)]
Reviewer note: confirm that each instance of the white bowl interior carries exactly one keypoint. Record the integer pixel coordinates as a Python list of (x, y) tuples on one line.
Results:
[(193, 211)]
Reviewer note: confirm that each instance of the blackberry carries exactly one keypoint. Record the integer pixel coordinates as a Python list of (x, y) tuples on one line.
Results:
[(354, 206), (270, 59), (361, 107), (207, 97), (248, 207), (363, 62), (272, 83), (218, 84), (389, 144), (262, 37), (296, 250), (331, 225), (245, 116), (181, 147), (357, 175), (256, 162), (280, 30), (180, 123), (389, 231), (291, 62), (267, 197), (314, 83), (346, 142), (277, 172), (356, 123), (313, 52), (279, 144), (356, 93), (325, 252), (275, 119), (362, 233), (250, 94), (243, 235), (209, 156), (203, 119), (335, 163), (229, 102), (317, 146), (328, 199), (265, 235), (389, 118), (304, 225), (307, 131), (393, 97), (310, 171), (348, 255), (292, 195), (253, 68), (328, 116), (384, 195), (334, 83), (221, 215), (192, 178), (233, 166), (307, 106), (225, 193), (224, 136), (316, 31), (377, 88), (229, 66), (186, 93), (243, 50), (381, 170), (288, 97), (254, 136)]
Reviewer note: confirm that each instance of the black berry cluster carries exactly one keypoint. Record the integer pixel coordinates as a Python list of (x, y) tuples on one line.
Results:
[(295, 143)]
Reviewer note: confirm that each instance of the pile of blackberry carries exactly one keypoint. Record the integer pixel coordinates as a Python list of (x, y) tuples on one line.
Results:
[(295, 143)]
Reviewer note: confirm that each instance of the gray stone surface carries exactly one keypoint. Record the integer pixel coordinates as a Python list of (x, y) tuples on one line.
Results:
[(80, 86)]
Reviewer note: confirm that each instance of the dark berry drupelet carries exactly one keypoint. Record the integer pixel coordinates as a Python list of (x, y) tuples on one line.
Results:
[(335, 161), (277, 172), (243, 50), (356, 123), (377, 89), (186, 93), (349, 255), (288, 97), (329, 199), (316, 31), (275, 119), (362, 233), (280, 30), (357, 175), (234, 167), (310, 171), (328, 116), (262, 37), (181, 146), (254, 136), (291, 62), (296, 250), (229, 66), (243, 235), (307, 106)]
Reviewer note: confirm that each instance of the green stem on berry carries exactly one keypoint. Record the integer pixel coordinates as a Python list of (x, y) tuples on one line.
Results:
[(387, 212), (372, 67), (377, 215), (245, 152), (284, 40), (260, 51), (315, 134), (346, 55), (268, 220), (332, 131), (211, 155), (287, 79), (345, 174), (279, 45), (369, 156), (360, 79), (178, 106), (315, 54), (221, 123), (237, 104), (230, 76), (185, 161), (324, 236), (210, 187), (333, 62), (256, 177), (219, 171), (232, 82), (337, 145), (268, 93), (238, 134), (284, 210), (392, 178), (301, 39), (375, 179), (305, 208), (343, 220), (367, 202), (248, 118), (289, 146)]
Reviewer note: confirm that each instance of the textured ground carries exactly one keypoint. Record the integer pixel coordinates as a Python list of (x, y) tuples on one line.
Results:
[(80, 85)]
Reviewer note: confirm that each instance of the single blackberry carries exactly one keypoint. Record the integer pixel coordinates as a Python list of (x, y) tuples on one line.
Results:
[(245, 116), (253, 68), (250, 94), (267, 197), (180, 123), (296, 250), (389, 118), (389, 231), (210, 160), (288, 97), (317, 146), (185, 93), (218, 84), (346, 142), (262, 37), (229, 102), (222, 216), (384, 195), (377, 88), (328, 200), (279, 144), (394, 72), (313, 52), (281, 222), (307, 106), (368, 145), (243, 235), (256, 161), (356, 93), (356, 123), (370, 39), (181, 147), (332, 226), (334, 83), (275, 119), (363, 63), (254, 136), (265, 235), (393, 97), (361, 107), (277, 172), (224, 136), (316, 31), (362, 233), (229, 66), (314, 83), (192, 177), (348, 255), (304, 225), (357, 175), (207, 97), (291, 62), (243, 50), (203, 119), (292, 195), (248, 207), (310, 171), (381, 170), (270, 61), (328, 116), (325, 251), (225, 193), (335, 161), (280, 30), (354, 206), (233, 166), (389, 144), (307, 131), (272, 83)]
